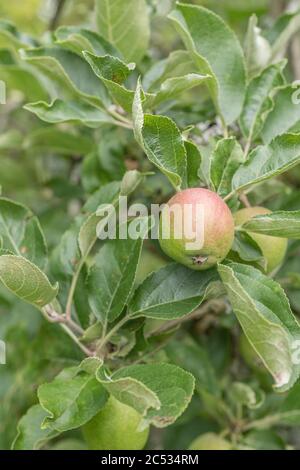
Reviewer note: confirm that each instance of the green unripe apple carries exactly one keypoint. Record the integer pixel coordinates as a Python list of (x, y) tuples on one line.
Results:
[(273, 248), (115, 427), (205, 213), (210, 441)]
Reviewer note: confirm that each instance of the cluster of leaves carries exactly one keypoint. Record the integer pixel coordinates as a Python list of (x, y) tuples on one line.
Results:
[(100, 114)]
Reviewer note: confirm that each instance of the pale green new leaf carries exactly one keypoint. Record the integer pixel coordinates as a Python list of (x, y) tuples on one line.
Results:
[(267, 161), (245, 395), (173, 87), (284, 224), (257, 48), (125, 26), (160, 392), (219, 55), (171, 292), (177, 64), (26, 280), (264, 313)]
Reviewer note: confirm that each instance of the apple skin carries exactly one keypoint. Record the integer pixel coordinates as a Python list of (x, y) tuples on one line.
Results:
[(273, 248), (115, 428), (218, 229), (210, 441)]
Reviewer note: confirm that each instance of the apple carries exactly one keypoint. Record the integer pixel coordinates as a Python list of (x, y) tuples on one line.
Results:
[(115, 427), (210, 441), (205, 216), (273, 248)]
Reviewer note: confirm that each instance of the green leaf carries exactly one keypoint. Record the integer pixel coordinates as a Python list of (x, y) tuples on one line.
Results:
[(21, 232), (174, 86), (171, 292), (23, 79), (284, 224), (257, 48), (34, 245), (112, 277), (26, 280), (50, 139), (160, 392), (108, 192), (30, 435), (70, 72), (161, 140), (69, 111), (177, 64), (225, 64), (245, 395), (267, 161), (93, 226), (264, 439), (113, 72), (258, 101), (125, 26), (65, 256), (290, 409), (12, 39), (71, 399), (286, 103), (88, 232), (106, 163), (10, 140), (264, 313), (226, 159), (78, 39), (131, 180), (186, 353), (193, 162), (247, 249), (281, 33)]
